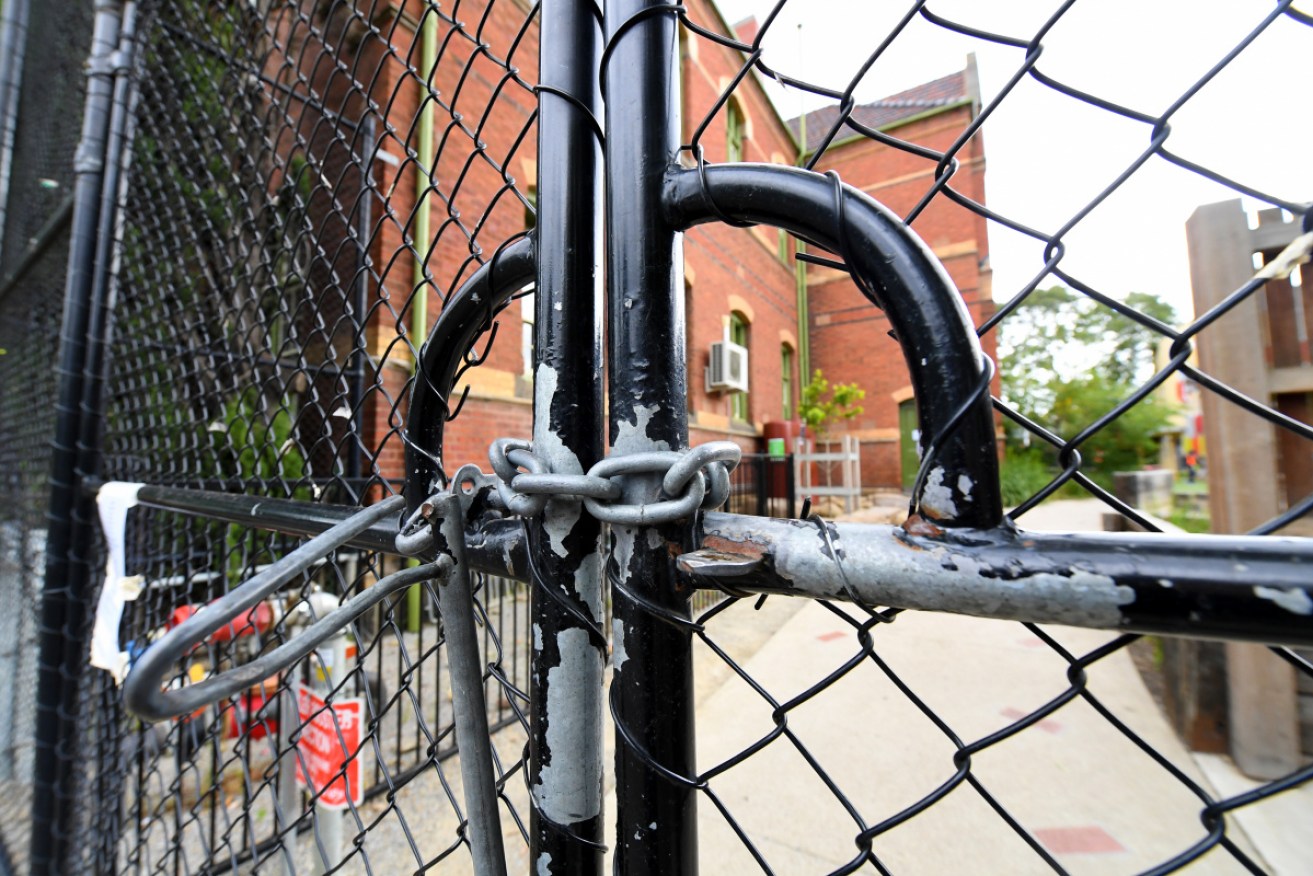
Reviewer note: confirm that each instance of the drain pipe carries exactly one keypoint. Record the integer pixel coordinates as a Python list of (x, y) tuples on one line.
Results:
[(104, 287), (66, 594), (419, 305), (13, 42)]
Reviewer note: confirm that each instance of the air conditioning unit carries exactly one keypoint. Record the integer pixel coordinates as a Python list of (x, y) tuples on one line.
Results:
[(728, 371)]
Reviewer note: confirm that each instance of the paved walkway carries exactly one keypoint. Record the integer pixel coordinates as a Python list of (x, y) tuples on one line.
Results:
[(1085, 791)]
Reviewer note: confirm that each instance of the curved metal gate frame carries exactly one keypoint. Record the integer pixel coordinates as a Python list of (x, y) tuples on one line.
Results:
[(957, 551)]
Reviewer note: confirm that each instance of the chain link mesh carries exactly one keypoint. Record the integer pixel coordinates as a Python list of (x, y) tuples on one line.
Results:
[(268, 312), (950, 783), (49, 54), (281, 189)]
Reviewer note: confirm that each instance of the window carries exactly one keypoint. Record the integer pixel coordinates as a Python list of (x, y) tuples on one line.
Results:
[(786, 379), (738, 334), (733, 132)]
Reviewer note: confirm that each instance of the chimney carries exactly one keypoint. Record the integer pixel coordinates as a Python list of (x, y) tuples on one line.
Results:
[(746, 30)]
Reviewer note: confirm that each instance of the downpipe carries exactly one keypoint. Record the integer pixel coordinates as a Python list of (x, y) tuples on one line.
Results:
[(66, 594)]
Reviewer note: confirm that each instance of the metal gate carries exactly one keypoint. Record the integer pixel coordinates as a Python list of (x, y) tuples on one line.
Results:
[(298, 236)]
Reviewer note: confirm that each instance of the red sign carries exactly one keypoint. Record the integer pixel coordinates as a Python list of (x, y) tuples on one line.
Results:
[(329, 736)]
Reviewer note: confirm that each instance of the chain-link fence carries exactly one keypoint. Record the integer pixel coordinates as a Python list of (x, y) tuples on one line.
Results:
[(44, 50), (955, 800), (288, 197), (273, 287)]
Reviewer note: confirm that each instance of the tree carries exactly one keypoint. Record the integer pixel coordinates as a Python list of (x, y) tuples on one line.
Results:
[(1067, 360), (824, 403), (1057, 333), (1128, 443)]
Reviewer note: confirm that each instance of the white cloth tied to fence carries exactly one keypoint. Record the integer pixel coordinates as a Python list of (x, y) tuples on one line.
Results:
[(114, 500)]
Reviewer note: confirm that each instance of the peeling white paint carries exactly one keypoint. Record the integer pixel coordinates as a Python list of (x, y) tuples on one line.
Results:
[(937, 497), (1166, 582), (964, 485), (558, 517), (622, 547), (537, 638), (588, 582), (618, 653), (940, 579), (1294, 600), (544, 867), (508, 552), (652, 826), (632, 437), (569, 787)]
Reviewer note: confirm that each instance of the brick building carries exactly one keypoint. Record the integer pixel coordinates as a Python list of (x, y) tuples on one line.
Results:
[(739, 282)]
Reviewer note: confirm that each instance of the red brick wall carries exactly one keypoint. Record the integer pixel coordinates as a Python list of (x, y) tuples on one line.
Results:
[(480, 422), (849, 337), (479, 160), (723, 261)]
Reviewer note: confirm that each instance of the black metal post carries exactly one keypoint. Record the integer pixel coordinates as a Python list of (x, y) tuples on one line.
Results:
[(761, 471), (652, 691), (365, 147), (13, 44), (65, 600), (791, 485), (91, 430), (569, 646)]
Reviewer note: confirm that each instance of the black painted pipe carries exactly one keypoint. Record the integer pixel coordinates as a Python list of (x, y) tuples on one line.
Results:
[(569, 656), (926, 311), (67, 593), (464, 317), (652, 689)]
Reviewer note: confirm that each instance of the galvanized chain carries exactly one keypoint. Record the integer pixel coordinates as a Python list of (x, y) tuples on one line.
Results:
[(691, 479), (522, 483)]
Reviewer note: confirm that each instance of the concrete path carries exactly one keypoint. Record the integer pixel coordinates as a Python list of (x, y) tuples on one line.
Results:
[(1082, 789), (1085, 791)]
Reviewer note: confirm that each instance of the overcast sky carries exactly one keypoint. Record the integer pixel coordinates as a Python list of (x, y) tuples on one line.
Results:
[(1048, 154)]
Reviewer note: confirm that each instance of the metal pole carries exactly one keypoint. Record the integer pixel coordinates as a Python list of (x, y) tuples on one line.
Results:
[(328, 820), (791, 485), (13, 43), (288, 810), (569, 647), (66, 596), (365, 147), (464, 665), (652, 691)]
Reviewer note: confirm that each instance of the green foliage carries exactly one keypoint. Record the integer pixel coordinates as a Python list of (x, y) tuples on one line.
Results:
[(1067, 360), (1190, 521), (254, 445), (1058, 333), (1024, 473), (1127, 443), (823, 403)]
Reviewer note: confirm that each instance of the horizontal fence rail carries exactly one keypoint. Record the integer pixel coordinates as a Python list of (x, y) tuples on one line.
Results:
[(265, 266)]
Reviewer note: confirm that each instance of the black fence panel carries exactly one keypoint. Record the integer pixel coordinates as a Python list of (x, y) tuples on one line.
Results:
[(265, 264), (44, 49), (763, 485)]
